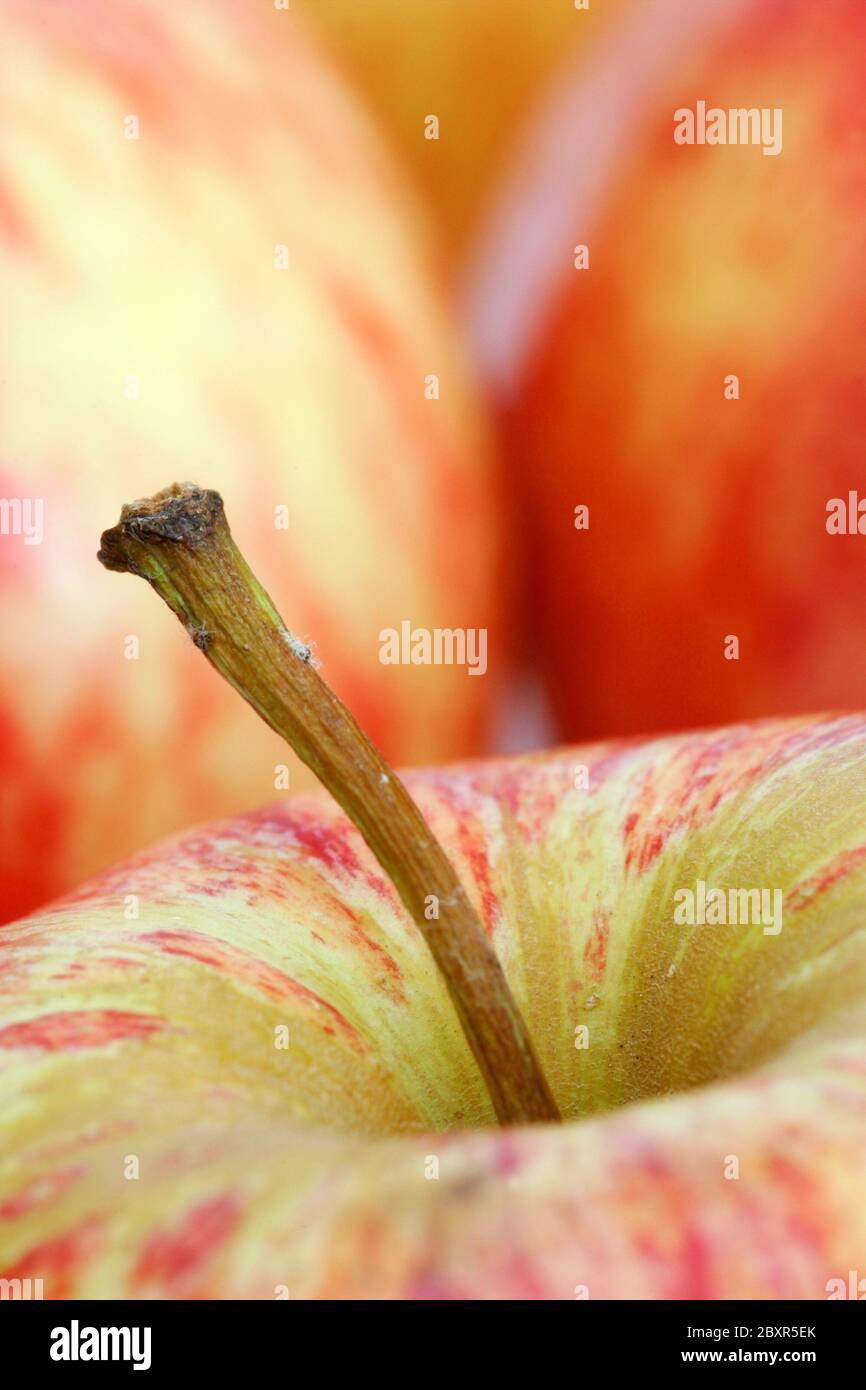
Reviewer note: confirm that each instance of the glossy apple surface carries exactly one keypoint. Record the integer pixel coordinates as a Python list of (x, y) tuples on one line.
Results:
[(150, 333), (707, 513), (228, 1067)]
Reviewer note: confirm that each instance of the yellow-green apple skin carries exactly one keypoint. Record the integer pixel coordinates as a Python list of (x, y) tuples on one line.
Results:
[(229, 1068), (150, 333), (707, 497), (477, 66)]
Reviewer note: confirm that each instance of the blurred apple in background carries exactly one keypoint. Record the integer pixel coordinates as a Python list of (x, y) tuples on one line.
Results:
[(707, 512), (206, 265), (476, 65)]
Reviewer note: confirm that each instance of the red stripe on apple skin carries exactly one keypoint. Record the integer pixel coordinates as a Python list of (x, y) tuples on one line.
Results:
[(58, 1262), (328, 842), (172, 1258), (648, 850), (515, 785), (595, 951), (333, 842), (216, 864), (689, 790), (807, 1217), (656, 1195), (697, 1281), (365, 942), (61, 1032), (473, 850), (248, 969), (839, 868)]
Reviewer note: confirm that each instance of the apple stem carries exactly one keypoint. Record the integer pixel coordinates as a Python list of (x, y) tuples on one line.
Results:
[(179, 541)]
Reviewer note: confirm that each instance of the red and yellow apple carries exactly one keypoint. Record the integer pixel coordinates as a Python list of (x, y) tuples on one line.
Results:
[(707, 497), (229, 1068), (473, 65), (207, 264)]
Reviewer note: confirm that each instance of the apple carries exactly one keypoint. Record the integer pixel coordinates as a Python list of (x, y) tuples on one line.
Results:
[(474, 66), (697, 387), (159, 166), (230, 1068)]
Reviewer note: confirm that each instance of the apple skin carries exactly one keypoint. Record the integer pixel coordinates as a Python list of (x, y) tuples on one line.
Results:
[(477, 67), (707, 515), (301, 388), (264, 1169)]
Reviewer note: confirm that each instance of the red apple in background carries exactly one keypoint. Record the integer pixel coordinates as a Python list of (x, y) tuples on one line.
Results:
[(230, 1068), (207, 259), (707, 498), (475, 66)]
